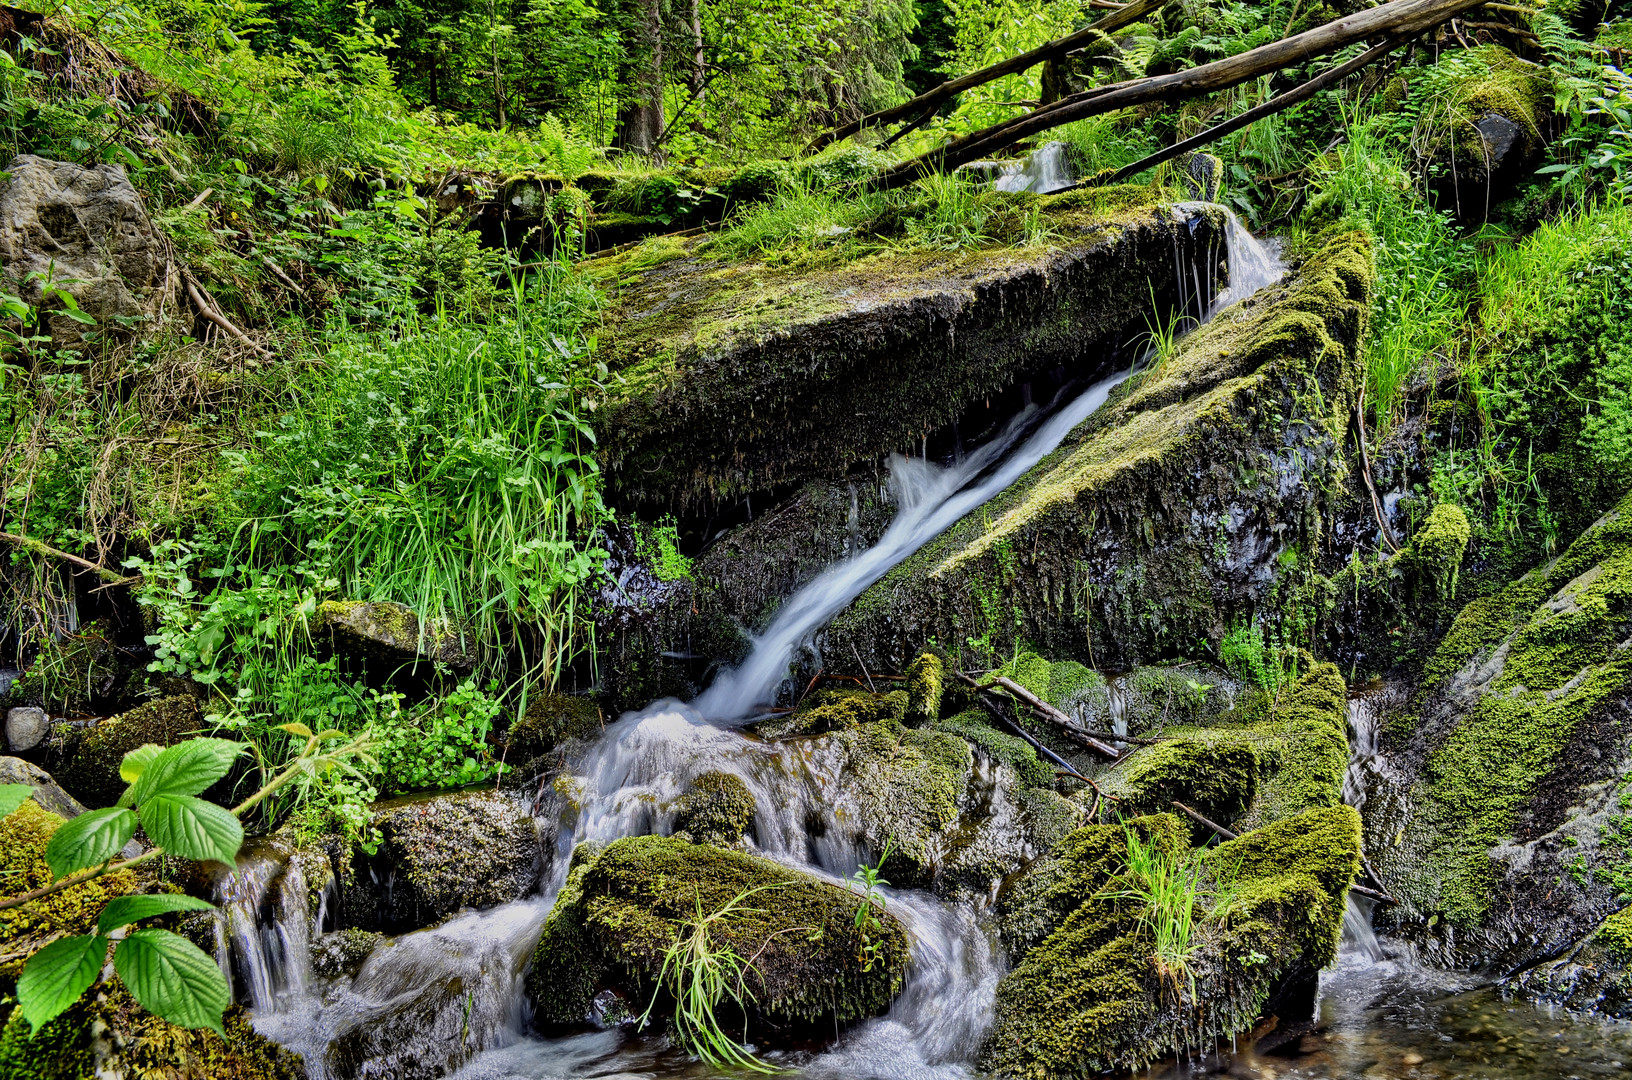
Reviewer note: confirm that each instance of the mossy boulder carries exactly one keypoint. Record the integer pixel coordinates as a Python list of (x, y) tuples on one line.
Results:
[(1011, 750), (1217, 777), (386, 632), (1085, 996), (449, 852), (624, 906), (24, 835), (729, 378), (548, 721), (908, 787), (718, 809), (47, 793), (91, 773), (1487, 123), (1168, 514), (836, 709), (1595, 975), (1513, 759)]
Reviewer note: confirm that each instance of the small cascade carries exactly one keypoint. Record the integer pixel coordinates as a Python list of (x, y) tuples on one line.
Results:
[(1048, 168), (264, 931), (1359, 940)]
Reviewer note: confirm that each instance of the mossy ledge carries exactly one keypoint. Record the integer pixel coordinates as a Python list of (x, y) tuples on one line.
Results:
[(624, 906), (1084, 997), (728, 378), (1165, 515), (1513, 758)]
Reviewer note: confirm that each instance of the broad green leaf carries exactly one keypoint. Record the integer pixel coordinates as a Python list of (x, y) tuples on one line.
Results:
[(192, 828), (124, 910), (90, 839), (57, 975), (186, 768), (173, 979), (12, 796), (137, 761)]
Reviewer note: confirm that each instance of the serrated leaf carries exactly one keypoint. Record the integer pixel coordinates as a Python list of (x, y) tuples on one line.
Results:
[(173, 979), (296, 729), (137, 761), (12, 796), (192, 828), (186, 768), (56, 976), (90, 839), (124, 910)]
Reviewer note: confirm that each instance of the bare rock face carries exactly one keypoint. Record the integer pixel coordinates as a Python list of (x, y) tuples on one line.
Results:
[(82, 230), (26, 727)]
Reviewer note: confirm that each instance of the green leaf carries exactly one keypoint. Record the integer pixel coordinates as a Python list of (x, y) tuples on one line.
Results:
[(90, 839), (173, 979), (124, 910), (186, 768), (57, 975), (137, 761), (12, 796), (296, 729), (192, 828)]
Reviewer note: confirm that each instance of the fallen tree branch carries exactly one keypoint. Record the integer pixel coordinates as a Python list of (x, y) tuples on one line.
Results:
[(39, 547), (1196, 816), (214, 316), (1365, 471), (1124, 16), (1059, 719), (277, 272), (1274, 105), (1399, 18)]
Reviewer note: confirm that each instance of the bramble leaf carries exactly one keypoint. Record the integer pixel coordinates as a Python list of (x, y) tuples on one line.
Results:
[(186, 768), (192, 828), (12, 796), (56, 976), (137, 760), (124, 910), (90, 839), (173, 979)]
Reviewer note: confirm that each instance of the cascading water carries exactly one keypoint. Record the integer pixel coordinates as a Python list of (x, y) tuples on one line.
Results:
[(1048, 168), (449, 997)]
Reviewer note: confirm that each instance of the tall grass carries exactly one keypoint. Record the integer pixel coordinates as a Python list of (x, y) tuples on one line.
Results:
[(1166, 888)]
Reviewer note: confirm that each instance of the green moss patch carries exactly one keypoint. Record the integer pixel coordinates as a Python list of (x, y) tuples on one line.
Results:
[(92, 773), (718, 809), (623, 907)]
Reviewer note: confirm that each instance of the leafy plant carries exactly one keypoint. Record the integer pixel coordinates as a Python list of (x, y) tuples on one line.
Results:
[(167, 974), (441, 746), (659, 545), (866, 880), (699, 973)]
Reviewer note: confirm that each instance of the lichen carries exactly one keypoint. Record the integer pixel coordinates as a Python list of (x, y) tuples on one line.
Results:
[(623, 907), (718, 809), (92, 773)]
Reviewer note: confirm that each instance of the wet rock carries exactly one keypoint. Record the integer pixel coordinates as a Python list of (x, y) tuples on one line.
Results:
[(548, 721), (83, 230), (47, 792), (386, 631), (445, 853), (623, 906), (836, 709), (910, 788), (1593, 976), (1162, 518), (717, 810), (1501, 821), (91, 772), (1086, 995), (26, 727), (343, 952)]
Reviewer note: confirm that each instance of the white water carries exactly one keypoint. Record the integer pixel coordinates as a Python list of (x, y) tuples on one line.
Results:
[(1046, 169), (449, 997)]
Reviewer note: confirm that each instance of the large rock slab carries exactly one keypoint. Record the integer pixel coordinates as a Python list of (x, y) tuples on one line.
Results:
[(81, 229), (727, 378), (1502, 818), (1166, 516)]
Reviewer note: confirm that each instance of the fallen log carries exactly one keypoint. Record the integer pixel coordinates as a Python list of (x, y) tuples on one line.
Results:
[(929, 100), (1067, 726), (1401, 19)]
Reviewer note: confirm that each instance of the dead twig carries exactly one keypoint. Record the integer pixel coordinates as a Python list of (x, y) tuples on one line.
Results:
[(1067, 726), (220, 320), (39, 547)]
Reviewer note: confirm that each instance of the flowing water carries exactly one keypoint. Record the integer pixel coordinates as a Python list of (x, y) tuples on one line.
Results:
[(1046, 169), (448, 999)]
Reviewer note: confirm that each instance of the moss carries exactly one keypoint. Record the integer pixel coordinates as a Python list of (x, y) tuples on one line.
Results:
[(908, 783), (1218, 777), (1615, 935), (449, 852), (24, 835), (623, 907), (1436, 550), (718, 809), (92, 773), (61, 1050), (1087, 556), (548, 721), (1513, 682), (837, 710), (388, 631), (1084, 997), (1305, 742), (926, 682), (1000, 746), (1486, 82)]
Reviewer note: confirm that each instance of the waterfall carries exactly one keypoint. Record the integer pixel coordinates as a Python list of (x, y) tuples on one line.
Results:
[(265, 926), (931, 498), (1359, 940), (1046, 169)]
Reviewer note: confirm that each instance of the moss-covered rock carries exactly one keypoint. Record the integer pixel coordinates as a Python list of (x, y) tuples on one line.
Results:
[(1169, 513), (730, 378), (1217, 777), (548, 721), (1000, 746), (718, 809), (47, 793), (839, 709), (926, 684), (1085, 997), (1593, 976), (623, 907), (1512, 759), (389, 633), (91, 774), (1485, 122), (908, 786), (24, 835), (449, 852)]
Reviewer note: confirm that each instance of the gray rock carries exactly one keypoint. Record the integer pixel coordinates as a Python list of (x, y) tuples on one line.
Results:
[(384, 630), (26, 727), (83, 230), (47, 793)]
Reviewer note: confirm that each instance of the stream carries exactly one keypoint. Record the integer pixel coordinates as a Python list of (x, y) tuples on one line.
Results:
[(448, 999)]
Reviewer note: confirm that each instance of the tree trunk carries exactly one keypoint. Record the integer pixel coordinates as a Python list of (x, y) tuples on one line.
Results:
[(640, 120)]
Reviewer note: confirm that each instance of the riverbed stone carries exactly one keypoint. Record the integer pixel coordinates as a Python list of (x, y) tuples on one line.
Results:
[(26, 727), (625, 905), (718, 809), (388, 632)]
